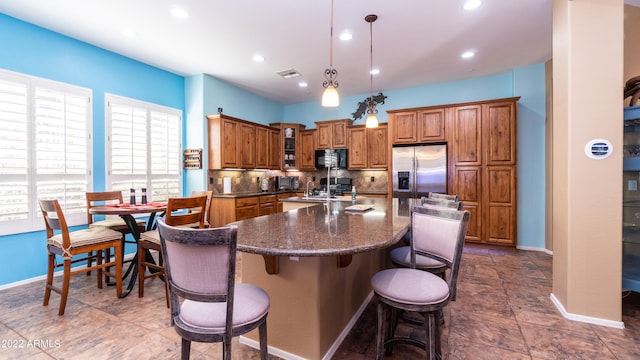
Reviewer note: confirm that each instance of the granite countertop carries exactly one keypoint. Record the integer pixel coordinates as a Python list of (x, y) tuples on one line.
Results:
[(319, 230)]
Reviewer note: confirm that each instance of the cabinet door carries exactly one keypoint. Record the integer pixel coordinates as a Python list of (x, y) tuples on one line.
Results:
[(468, 130), (499, 133), (500, 204), (431, 125), (323, 135), (275, 150), (247, 141), (467, 186), (377, 147), (229, 150), (262, 147), (307, 149), (404, 130), (339, 135), (357, 156)]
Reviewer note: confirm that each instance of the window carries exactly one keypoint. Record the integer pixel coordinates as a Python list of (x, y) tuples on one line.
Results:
[(45, 150), (143, 148)]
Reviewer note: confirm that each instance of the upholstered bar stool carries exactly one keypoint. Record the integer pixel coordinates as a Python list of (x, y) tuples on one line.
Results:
[(438, 234), (187, 212), (207, 305)]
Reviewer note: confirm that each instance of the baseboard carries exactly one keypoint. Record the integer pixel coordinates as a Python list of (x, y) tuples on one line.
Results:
[(44, 277), (586, 319), (531, 248), (332, 350)]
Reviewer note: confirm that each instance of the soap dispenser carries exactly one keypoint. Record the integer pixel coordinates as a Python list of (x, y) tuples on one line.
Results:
[(353, 193)]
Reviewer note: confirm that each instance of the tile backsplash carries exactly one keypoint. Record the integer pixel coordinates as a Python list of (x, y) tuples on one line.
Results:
[(250, 180)]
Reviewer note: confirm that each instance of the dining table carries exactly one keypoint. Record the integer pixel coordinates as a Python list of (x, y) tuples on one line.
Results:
[(128, 213)]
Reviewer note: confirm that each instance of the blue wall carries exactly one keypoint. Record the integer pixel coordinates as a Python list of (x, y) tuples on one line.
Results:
[(35, 51)]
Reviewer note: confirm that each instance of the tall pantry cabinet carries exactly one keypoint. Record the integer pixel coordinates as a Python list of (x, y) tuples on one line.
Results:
[(483, 167)]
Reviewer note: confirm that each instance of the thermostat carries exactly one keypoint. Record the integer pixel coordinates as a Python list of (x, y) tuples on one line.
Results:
[(598, 149)]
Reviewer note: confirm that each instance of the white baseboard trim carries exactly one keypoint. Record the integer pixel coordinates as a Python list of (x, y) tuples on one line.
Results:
[(586, 319), (531, 248), (44, 277), (332, 350)]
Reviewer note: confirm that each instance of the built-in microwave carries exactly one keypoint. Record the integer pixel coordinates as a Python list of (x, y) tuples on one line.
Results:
[(341, 159)]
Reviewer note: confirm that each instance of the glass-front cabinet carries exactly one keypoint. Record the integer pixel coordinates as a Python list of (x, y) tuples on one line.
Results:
[(631, 200)]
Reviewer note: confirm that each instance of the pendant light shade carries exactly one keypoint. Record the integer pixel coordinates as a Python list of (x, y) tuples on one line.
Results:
[(372, 119), (330, 97)]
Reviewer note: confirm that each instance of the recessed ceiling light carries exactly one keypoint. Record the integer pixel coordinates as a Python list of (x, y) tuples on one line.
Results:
[(468, 54), (128, 33), (375, 71), (302, 84), (472, 4), (346, 36), (258, 58), (180, 13)]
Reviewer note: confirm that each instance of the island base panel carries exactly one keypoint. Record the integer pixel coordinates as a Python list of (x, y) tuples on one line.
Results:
[(312, 300)]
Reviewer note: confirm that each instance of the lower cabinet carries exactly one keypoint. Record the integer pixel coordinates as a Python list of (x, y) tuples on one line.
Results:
[(489, 194), (225, 210)]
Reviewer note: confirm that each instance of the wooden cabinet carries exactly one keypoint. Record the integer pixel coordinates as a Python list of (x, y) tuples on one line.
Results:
[(268, 204), (225, 210), (377, 147), (468, 135), (262, 147), (240, 144), (484, 168), (307, 150), (332, 134), (275, 149), (358, 150), (290, 144), (368, 147), (418, 126), (223, 142), (247, 141)]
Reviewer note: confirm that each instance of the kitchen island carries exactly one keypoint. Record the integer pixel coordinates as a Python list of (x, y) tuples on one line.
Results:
[(316, 263)]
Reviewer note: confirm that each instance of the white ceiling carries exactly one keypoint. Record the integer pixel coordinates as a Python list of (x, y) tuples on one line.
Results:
[(415, 42)]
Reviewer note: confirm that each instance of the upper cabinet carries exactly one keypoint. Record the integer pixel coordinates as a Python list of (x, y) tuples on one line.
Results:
[(367, 147), (275, 149), (223, 144), (290, 144), (240, 144), (417, 126), (467, 134), (332, 134), (307, 150)]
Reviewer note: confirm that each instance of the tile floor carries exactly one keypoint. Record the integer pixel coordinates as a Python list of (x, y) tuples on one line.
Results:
[(503, 311)]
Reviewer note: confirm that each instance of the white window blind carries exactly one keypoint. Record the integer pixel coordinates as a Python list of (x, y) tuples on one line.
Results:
[(144, 148), (45, 150)]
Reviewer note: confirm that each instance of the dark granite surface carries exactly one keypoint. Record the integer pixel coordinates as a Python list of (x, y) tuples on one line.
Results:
[(326, 231)]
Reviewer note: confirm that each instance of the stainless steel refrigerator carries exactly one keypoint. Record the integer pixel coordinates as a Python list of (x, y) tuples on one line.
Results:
[(418, 170)]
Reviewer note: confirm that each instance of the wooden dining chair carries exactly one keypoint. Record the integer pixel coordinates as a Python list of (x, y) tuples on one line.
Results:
[(207, 305), (67, 244), (186, 212), (436, 233), (209, 195)]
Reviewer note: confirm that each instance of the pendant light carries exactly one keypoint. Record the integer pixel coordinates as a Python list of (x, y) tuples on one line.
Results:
[(372, 119), (330, 97)]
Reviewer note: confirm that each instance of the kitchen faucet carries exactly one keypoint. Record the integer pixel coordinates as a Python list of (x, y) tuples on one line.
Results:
[(308, 188)]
